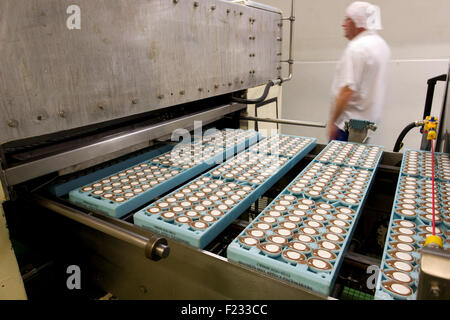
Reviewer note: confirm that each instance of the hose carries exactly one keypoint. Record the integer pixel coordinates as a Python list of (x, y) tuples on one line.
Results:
[(260, 99), (398, 143)]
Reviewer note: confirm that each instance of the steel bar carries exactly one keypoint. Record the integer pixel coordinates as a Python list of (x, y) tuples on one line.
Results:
[(291, 40), (285, 121)]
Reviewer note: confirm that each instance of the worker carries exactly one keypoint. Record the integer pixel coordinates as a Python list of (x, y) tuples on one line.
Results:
[(360, 80)]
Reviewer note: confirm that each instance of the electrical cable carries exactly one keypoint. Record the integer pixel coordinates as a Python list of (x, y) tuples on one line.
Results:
[(258, 100)]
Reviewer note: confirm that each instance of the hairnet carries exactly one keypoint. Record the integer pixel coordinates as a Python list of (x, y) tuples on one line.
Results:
[(364, 15)]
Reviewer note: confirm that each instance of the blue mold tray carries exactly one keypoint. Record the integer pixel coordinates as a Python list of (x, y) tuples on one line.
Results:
[(365, 156), (411, 221), (121, 192), (321, 220), (417, 163), (63, 188), (224, 205), (282, 145)]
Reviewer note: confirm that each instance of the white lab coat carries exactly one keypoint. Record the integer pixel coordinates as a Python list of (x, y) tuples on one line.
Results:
[(363, 67)]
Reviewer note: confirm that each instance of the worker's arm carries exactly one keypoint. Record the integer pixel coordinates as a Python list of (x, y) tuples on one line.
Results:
[(342, 101)]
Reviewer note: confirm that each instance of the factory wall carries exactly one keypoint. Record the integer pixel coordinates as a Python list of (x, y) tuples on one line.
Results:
[(418, 33)]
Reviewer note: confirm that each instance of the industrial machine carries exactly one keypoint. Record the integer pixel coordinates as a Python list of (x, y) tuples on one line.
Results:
[(93, 86)]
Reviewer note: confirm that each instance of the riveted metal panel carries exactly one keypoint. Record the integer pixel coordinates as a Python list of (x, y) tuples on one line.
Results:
[(128, 57)]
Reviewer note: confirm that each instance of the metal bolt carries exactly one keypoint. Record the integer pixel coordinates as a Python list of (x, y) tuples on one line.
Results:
[(230, 84), (278, 68), (182, 92), (134, 101), (196, 4), (280, 24), (216, 86), (213, 8), (62, 114), (175, 1), (279, 54), (279, 39), (161, 96), (228, 11), (242, 81), (240, 13), (13, 123), (200, 89), (100, 106)]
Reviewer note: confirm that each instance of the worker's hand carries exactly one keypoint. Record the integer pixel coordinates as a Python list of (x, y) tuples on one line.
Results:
[(332, 130)]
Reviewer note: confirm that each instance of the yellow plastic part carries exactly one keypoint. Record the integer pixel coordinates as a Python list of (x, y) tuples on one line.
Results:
[(431, 135), (430, 127), (434, 241)]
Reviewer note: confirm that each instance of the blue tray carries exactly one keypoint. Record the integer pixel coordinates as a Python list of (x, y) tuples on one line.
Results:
[(297, 191), (177, 168), (201, 238), (412, 200), (442, 165), (282, 145)]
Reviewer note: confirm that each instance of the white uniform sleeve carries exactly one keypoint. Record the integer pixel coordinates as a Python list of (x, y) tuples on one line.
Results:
[(352, 69)]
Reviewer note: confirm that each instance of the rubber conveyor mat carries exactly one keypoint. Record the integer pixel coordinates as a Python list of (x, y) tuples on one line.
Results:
[(120, 192), (301, 237), (199, 211), (411, 223)]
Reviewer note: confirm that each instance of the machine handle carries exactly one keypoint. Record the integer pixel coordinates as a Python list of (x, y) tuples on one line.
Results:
[(155, 248)]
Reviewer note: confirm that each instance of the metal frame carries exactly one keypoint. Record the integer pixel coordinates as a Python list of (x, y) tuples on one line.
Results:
[(153, 248), (123, 61), (434, 277)]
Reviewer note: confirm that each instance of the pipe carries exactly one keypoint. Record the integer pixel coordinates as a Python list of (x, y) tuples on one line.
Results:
[(258, 100), (154, 248), (285, 121), (402, 135)]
